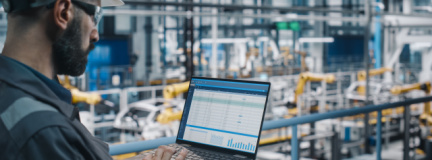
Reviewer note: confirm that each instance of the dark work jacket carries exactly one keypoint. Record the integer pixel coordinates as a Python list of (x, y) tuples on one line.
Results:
[(36, 124)]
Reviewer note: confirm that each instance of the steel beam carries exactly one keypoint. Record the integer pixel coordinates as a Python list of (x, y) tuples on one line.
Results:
[(112, 12), (406, 20), (242, 7), (415, 39)]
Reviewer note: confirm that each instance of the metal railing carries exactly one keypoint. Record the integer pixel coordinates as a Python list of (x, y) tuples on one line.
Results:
[(293, 122)]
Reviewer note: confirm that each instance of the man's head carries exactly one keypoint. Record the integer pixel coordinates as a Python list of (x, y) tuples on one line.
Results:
[(71, 27)]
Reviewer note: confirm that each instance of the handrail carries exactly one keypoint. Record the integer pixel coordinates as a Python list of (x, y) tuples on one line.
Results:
[(339, 113), (273, 124)]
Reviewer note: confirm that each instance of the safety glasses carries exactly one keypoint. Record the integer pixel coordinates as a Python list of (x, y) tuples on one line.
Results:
[(90, 9)]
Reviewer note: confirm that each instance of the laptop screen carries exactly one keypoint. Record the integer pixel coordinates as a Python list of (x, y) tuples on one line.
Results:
[(225, 114)]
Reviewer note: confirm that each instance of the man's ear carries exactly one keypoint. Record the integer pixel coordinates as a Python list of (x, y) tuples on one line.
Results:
[(63, 13)]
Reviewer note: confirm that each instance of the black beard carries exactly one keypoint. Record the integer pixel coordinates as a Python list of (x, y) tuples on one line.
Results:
[(68, 55)]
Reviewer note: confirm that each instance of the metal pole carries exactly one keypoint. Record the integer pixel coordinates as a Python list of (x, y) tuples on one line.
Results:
[(367, 62), (300, 101), (312, 142), (200, 52), (93, 114), (428, 148), (148, 28), (322, 101), (387, 130), (308, 98), (294, 144), (406, 146), (188, 37), (339, 90), (378, 136), (214, 31), (335, 151)]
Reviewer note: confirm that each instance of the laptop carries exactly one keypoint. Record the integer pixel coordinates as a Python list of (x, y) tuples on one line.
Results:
[(222, 118)]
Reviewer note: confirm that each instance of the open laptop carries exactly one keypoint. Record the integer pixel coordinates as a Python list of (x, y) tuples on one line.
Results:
[(222, 118)]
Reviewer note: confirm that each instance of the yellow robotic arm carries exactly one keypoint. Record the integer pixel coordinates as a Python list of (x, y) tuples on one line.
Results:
[(169, 93), (172, 91), (89, 98), (426, 87), (418, 86), (306, 77), (303, 55), (285, 51), (79, 96), (361, 76)]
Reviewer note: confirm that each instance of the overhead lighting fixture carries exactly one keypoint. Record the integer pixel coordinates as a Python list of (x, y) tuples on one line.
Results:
[(316, 40), (226, 40)]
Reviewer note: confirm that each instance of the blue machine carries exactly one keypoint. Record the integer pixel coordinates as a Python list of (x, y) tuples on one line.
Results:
[(106, 53)]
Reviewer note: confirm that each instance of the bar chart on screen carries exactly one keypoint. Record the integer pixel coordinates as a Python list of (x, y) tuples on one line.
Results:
[(241, 145)]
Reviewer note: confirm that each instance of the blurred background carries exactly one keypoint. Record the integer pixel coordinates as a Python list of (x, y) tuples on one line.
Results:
[(320, 56)]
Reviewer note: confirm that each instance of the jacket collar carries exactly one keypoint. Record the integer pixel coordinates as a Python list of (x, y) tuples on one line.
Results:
[(22, 78)]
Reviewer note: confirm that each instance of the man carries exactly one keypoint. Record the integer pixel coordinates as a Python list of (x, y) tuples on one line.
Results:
[(37, 120)]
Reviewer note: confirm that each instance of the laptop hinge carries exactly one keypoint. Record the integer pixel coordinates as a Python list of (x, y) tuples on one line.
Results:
[(239, 156)]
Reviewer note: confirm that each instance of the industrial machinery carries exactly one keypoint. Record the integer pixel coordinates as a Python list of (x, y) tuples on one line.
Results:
[(79, 96), (141, 119), (154, 118), (303, 55), (426, 116), (356, 91), (170, 92), (304, 78), (361, 77), (285, 52)]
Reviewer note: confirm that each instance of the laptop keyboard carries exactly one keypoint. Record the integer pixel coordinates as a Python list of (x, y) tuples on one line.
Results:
[(198, 154)]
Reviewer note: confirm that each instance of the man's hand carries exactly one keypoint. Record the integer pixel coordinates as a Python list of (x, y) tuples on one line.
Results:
[(165, 153)]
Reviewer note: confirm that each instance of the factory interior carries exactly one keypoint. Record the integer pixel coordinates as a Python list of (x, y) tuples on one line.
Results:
[(350, 79)]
